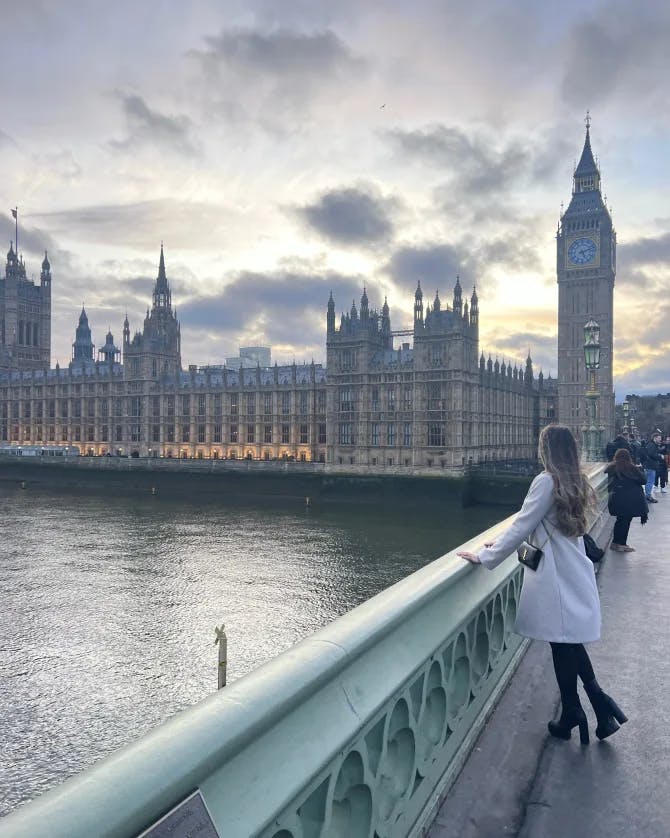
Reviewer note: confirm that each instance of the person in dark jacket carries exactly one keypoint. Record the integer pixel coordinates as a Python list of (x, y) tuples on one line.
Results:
[(626, 498), (651, 459), (619, 441), (662, 468)]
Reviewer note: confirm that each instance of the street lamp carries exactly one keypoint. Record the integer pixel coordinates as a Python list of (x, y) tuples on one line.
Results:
[(592, 433), (626, 408)]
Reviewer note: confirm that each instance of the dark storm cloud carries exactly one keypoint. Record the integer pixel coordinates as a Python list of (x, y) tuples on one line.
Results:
[(270, 79), (617, 50), (147, 126), (477, 162), (645, 251), (435, 265), (354, 216), (275, 303), (281, 53)]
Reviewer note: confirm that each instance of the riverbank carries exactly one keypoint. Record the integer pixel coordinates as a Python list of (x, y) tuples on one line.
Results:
[(307, 483)]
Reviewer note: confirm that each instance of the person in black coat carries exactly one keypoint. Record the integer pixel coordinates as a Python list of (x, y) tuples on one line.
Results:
[(619, 441), (651, 459), (626, 497)]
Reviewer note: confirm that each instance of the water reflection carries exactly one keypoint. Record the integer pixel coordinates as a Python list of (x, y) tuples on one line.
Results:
[(108, 607)]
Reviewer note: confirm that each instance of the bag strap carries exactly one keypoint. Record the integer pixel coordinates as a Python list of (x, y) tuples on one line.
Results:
[(549, 534)]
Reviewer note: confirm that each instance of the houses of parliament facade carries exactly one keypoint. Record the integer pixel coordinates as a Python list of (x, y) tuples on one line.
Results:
[(418, 400)]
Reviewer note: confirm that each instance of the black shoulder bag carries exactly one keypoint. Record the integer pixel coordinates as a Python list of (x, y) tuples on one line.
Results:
[(529, 555)]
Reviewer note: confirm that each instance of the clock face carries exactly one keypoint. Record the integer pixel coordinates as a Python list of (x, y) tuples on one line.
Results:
[(582, 251)]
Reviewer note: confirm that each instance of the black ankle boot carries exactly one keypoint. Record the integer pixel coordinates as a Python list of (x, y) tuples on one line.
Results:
[(607, 711), (572, 716)]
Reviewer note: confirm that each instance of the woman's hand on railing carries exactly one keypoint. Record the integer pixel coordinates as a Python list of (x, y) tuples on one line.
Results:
[(473, 558)]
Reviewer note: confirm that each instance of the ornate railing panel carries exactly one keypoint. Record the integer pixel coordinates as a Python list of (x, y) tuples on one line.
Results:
[(355, 732)]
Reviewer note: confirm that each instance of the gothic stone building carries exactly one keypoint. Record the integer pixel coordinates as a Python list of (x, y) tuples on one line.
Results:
[(436, 405)]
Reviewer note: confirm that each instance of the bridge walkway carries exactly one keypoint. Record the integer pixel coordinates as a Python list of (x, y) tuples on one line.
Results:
[(518, 781)]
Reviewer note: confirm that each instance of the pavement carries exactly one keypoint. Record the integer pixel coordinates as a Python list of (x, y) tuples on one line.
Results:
[(519, 781)]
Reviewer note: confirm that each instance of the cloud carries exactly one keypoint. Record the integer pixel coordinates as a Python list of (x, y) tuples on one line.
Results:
[(478, 162), (644, 251), (185, 224), (272, 78), (283, 308), (356, 216), (435, 265), (149, 127), (619, 50), (282, 53)]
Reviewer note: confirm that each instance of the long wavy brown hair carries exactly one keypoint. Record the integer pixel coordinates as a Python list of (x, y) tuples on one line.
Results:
[(573, 494), (622, 465)]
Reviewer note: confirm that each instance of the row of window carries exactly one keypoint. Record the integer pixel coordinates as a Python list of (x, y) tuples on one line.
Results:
[(303, 404), (391, 434), (173, 433)]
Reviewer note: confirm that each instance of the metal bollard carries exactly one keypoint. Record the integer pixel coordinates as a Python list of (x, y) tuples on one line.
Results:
[(222, 640)]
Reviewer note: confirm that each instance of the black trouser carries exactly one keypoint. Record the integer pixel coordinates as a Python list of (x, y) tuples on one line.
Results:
[(621, 527), (571, 660), (662, 475)]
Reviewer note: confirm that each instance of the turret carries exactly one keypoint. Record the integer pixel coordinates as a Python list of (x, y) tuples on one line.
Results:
[(365, 310), (126, 331), (458, 300), (82, 348), (330, 316), (474, 307), (386, 325), (418, 306), (45, 276), (436, 303), (528, 374)]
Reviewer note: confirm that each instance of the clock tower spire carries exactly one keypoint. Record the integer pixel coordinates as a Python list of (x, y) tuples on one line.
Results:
[(586, 266)]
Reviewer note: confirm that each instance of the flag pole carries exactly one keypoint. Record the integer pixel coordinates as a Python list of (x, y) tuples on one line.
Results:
[(15, 213)]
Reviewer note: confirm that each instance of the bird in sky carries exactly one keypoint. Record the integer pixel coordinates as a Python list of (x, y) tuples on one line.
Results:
[(382, 106)]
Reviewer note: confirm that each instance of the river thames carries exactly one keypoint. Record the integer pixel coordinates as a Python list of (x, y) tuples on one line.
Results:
[(109, 606)]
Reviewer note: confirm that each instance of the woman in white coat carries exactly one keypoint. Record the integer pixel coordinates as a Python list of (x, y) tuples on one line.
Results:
[(559, 601)]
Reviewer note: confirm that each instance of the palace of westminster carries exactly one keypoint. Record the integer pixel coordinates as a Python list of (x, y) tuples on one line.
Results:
[(434, 404)]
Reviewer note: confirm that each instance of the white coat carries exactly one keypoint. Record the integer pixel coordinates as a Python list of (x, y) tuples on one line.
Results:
[(559, 601)]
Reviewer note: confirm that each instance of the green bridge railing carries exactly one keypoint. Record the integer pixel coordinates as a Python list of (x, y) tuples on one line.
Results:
[(357, 731)]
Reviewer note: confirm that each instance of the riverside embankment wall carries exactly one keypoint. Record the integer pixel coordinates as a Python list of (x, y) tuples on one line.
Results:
[(273, 481)]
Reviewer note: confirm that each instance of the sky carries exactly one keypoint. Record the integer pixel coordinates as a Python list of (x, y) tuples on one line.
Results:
[(281, 150)]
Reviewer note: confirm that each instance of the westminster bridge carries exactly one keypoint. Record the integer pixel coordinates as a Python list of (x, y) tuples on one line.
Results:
[(419, 712)]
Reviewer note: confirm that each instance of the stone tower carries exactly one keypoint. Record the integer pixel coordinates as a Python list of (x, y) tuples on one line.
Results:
[(585, 267), (25, 316), (156, 351)]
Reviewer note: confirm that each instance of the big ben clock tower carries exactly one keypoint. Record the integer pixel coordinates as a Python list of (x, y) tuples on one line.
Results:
[(586, 265)]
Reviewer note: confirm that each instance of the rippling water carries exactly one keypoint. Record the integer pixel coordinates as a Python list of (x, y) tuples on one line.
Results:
[(108, 607)]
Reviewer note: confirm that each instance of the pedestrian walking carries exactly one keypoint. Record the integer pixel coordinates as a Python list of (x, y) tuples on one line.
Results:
[(559, 601), (662, 467), (619, 441), (626, 498), (651, 459)]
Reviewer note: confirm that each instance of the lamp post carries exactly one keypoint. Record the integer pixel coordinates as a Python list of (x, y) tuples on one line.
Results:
[(592, 432), (626, 408)]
